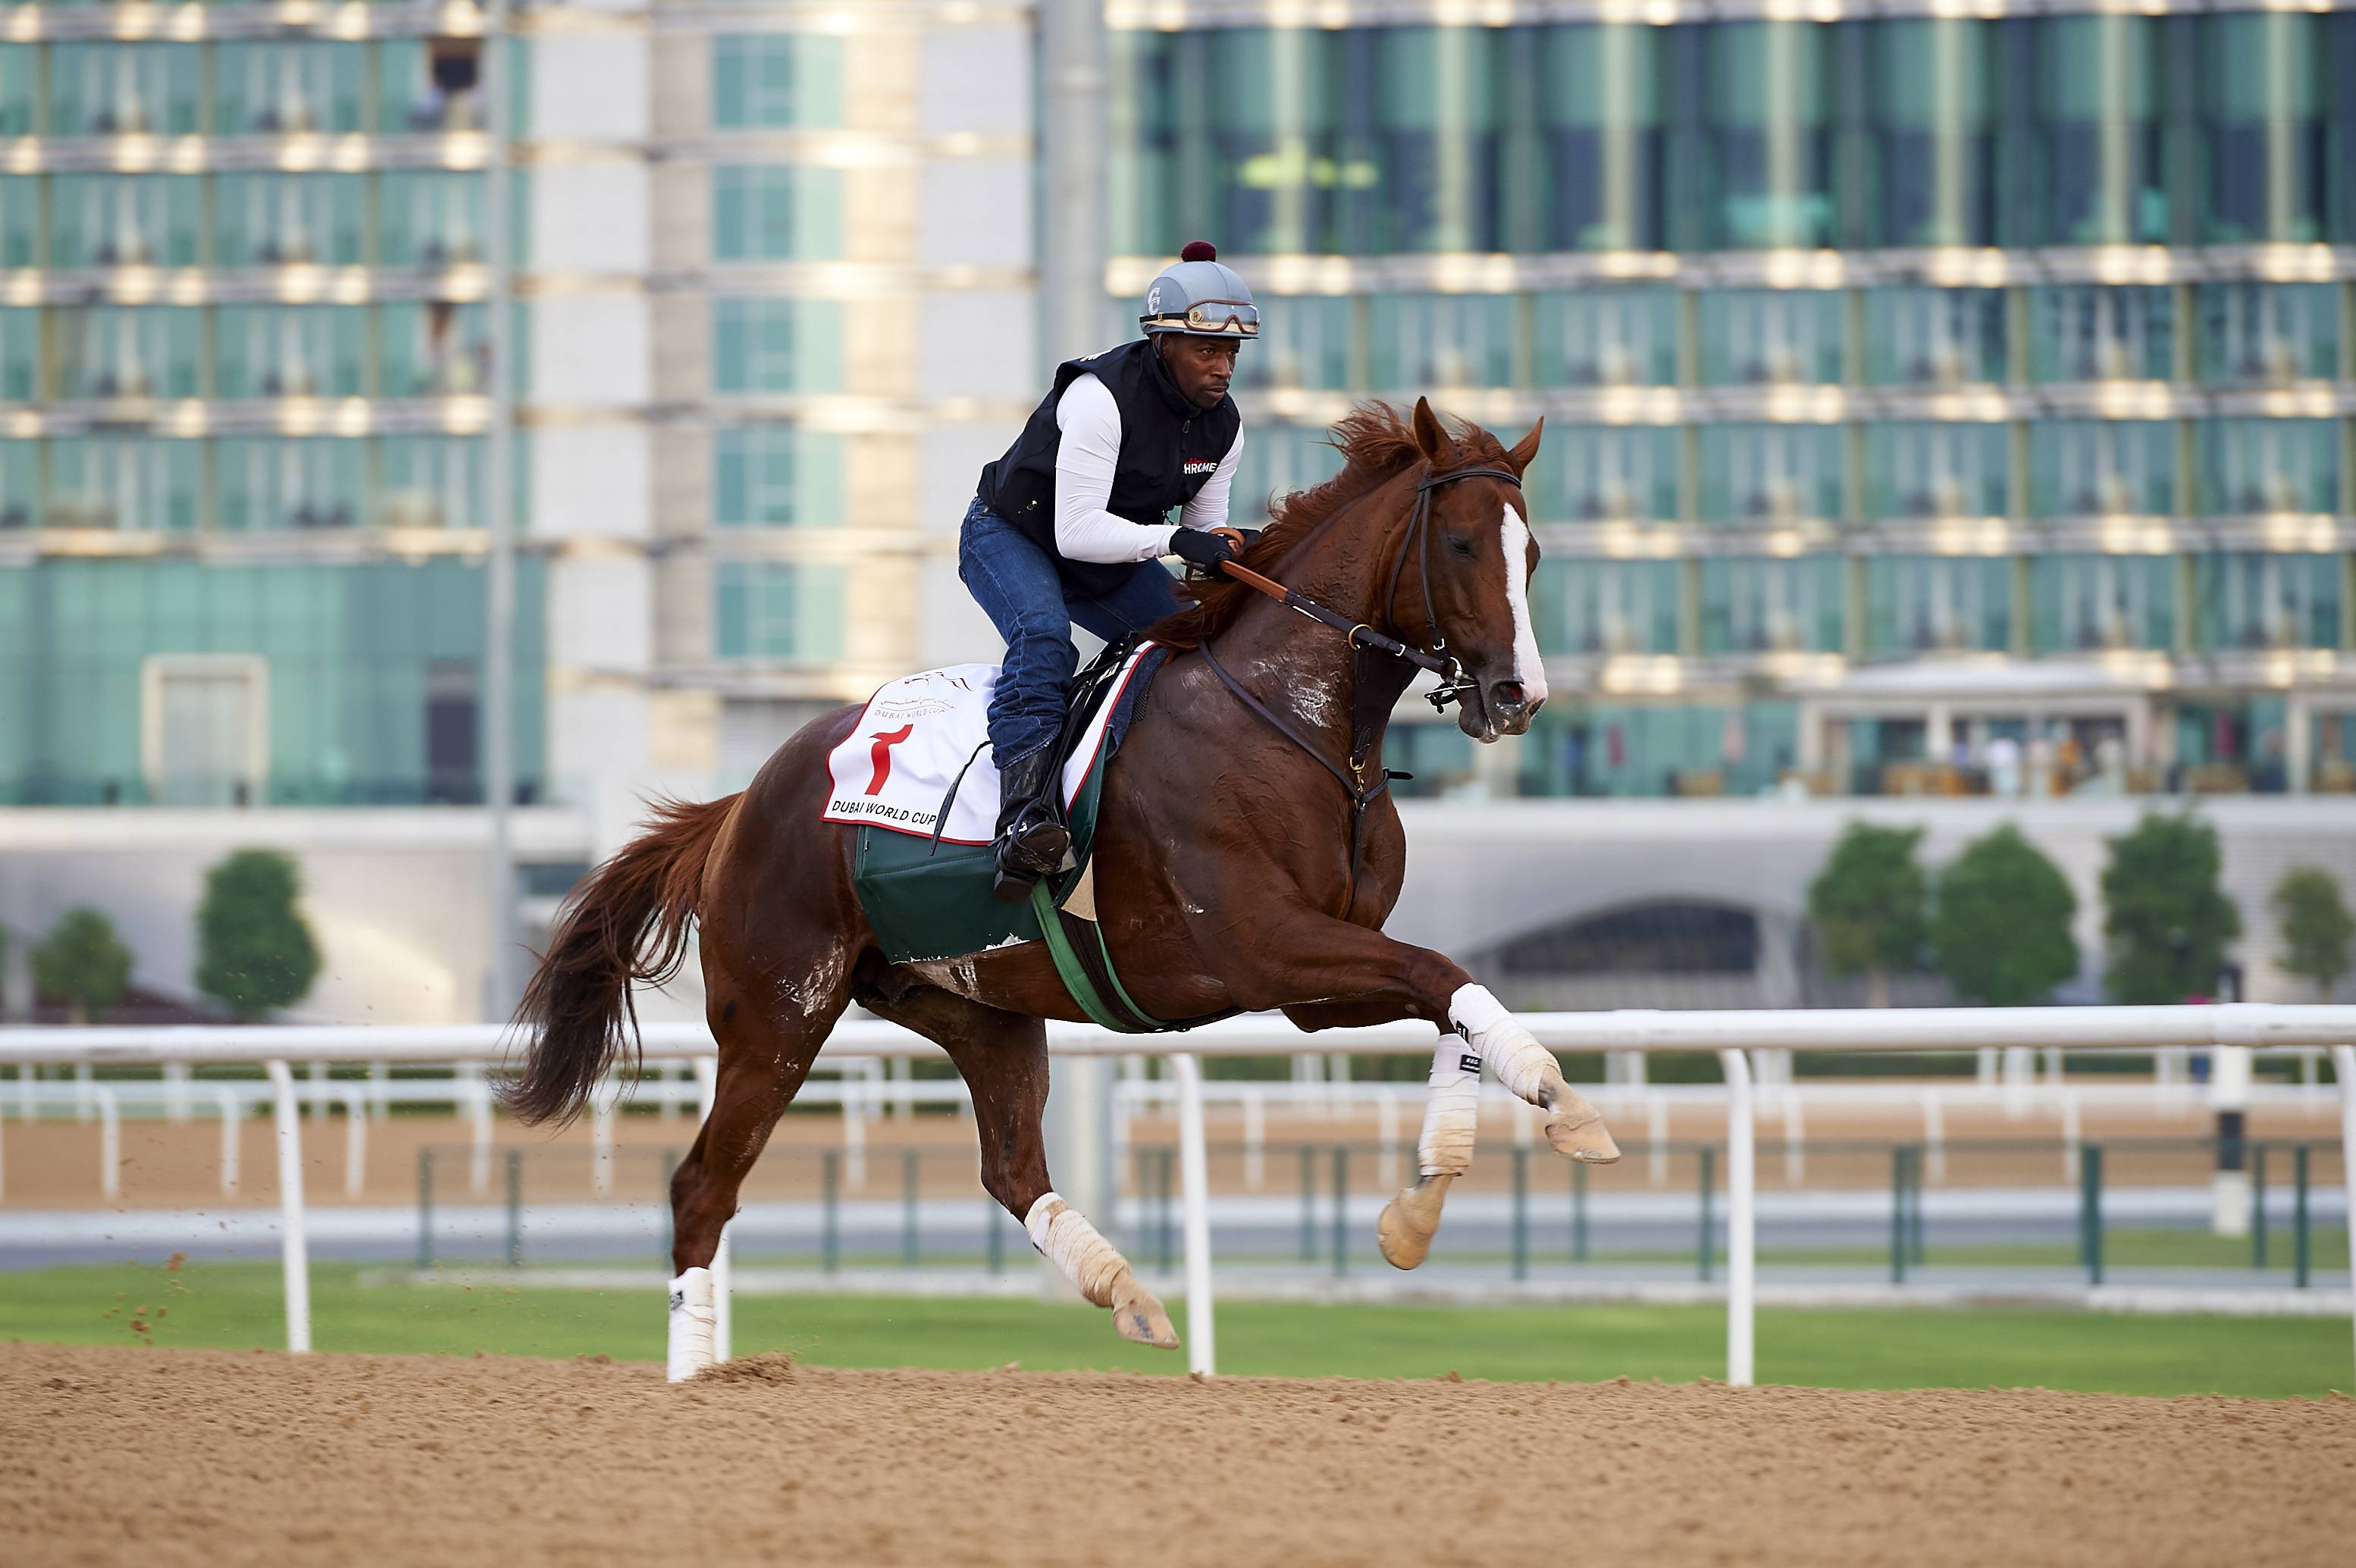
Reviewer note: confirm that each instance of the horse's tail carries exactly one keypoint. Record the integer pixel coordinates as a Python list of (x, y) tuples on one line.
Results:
[(579, 998)]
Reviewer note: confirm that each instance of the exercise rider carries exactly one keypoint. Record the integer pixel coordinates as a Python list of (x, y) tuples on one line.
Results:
[(1072, 523)]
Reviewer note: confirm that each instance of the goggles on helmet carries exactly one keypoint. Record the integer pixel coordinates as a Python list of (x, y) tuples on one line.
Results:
[(1211, 318)]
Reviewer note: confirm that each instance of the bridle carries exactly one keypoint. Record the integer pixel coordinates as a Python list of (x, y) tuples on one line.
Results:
[(1367, 717)]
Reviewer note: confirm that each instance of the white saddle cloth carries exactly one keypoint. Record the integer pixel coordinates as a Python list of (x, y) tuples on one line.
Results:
[(917, 733)]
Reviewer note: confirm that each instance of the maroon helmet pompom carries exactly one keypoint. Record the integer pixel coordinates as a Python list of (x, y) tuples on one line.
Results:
[(1199, 250)]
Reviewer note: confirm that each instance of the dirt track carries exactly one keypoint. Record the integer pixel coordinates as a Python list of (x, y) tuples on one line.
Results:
[(168, 1456)]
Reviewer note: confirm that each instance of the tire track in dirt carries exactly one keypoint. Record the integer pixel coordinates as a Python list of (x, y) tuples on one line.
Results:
[(162, 1457)]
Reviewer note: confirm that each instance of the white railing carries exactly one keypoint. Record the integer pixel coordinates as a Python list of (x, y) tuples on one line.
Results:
[(1732, 1035)]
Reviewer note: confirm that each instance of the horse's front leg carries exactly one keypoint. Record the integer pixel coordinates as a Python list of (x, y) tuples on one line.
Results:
[(1326, 972)]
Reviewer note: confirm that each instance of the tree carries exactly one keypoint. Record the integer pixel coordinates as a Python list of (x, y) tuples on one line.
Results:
[(1867, 905), (82, 963), (2166, 922), (2002, 930), (254, 952), (2314, 926)]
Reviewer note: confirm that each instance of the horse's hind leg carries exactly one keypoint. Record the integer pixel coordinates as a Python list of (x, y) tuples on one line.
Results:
[(1003, 1057), (769, 1035)]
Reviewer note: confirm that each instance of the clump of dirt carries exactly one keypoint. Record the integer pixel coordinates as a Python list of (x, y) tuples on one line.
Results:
[(774, 1367)]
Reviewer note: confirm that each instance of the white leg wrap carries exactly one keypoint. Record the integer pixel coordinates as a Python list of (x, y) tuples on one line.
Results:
[(1452, 1110), (1520, 1062), (1063, 1234), (693, 1321)]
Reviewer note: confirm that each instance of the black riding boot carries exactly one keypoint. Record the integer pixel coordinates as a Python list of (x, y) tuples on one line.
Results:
[(1032, 839)]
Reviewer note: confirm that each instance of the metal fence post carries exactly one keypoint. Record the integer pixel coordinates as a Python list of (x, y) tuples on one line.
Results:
[(1898, 1249), (2301, 1238), (909, 1208), (1521, 1243), (1202, 1352), (1308, 1204), (426, 1207), (1165, 1239), (2257, 1205), (1341, 1209), (1705, 1259), (295, 1252), (1578, 1210), (1914, 1201), (2090, 1211), (829, 1219), (515, 1207), (993, 1237)]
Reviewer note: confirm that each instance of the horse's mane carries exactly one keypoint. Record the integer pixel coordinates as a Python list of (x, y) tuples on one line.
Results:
[(1378, 445)]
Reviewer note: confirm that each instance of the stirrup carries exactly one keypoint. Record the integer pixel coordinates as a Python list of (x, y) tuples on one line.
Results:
[(1027, 853)]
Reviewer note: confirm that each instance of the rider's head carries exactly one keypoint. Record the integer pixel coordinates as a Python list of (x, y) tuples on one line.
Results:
[(1199, 313)]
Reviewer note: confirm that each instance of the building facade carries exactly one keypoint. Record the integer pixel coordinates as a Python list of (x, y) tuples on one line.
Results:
[(1934, 402)]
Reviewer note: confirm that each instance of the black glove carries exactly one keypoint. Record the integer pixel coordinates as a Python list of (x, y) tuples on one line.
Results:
[(1197, 547), (1251, 536)]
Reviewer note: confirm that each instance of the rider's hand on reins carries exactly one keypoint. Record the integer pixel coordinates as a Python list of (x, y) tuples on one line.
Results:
[(1207, 547)]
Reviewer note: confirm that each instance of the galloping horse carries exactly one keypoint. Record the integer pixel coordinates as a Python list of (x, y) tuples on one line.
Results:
[(1244, 860)]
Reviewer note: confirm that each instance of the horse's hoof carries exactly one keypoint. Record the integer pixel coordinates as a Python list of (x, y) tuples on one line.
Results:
[(1576, 1128), (1409, 1222), (1140, 1319)]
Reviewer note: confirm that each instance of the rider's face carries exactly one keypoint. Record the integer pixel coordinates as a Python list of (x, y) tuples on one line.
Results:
[(1202, 366)]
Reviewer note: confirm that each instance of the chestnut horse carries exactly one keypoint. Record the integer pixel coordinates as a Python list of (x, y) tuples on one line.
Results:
[(1238, 866)]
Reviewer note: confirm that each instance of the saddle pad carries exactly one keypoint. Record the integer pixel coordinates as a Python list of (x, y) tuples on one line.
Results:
[(918, 733), (927, 901)]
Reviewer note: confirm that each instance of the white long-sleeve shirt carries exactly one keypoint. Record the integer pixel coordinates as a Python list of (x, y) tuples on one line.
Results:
[(1085, 461)]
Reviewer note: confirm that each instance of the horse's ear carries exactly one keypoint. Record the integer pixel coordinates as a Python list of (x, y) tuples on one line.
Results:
[(1430, 438), (1526, 449)]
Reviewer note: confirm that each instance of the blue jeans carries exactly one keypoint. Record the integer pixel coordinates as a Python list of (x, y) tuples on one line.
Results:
[(1033, 602)]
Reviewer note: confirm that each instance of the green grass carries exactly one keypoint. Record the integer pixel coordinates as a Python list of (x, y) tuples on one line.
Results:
[(237, 1305)]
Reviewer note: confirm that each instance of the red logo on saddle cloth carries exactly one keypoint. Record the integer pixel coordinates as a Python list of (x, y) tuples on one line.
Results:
[(881, 751)]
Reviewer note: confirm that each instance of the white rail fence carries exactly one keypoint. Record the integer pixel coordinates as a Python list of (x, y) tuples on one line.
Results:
[(1733, 1036)]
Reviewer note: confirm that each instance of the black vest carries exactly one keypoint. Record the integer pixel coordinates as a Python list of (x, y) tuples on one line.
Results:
[(1169, 448)]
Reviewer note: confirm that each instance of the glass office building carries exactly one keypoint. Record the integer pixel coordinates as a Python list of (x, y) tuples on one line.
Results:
[(1934, 404)]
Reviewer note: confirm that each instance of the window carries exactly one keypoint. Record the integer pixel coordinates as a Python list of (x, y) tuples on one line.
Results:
[(1766, 98), (1771, 606), (1771, 337), (2265, 333), (2101, 468), (1605, 607), (2269, 465), (771, 345), (1606, 473), (430, 482), (204, 729), (768, 212), (1421, 341), (1769, 475), (1278, 460), (121, 90), (115, 351), (1608, 337), (1602, 99), (2241, 598), (18, 87), (1934, 338), (123, 221), (2088, 602), (20, 356), (286, 87), (772, 612), (1435, 116), (440, 349), (2082, 332), (20, 215), (2263, 129), (1936, 470), (1917, 604), (426, 85), (431, 219), (289, 351), (775, 80), (2098, 131), (266, 221), (776, 477), (1933, 108), (134, 483), (20, 468), (266, 483), (1304, 342)]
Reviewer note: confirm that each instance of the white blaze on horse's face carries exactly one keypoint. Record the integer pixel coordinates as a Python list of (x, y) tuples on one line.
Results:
[(1530, 666)]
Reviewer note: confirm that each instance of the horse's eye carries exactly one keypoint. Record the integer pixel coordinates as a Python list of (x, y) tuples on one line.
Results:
[(1461, 545)]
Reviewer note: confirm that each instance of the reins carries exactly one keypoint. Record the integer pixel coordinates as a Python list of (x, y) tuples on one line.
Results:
[(1455, 685)]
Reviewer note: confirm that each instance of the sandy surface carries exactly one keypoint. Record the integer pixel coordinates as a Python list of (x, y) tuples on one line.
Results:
[(159, 1457)]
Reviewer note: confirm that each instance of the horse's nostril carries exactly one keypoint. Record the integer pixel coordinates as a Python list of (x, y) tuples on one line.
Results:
[(1508, 693)]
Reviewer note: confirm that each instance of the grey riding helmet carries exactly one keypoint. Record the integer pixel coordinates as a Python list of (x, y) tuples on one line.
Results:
[(1200, 297)]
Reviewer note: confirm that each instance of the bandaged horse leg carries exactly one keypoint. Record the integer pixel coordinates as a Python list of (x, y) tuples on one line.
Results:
[(1528, 1070), (1451, 1119), (1064, 1236), (1003, 1057)]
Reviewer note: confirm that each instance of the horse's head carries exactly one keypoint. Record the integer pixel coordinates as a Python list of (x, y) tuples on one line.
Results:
[(1478, 554)]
